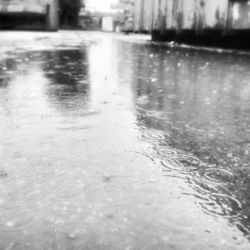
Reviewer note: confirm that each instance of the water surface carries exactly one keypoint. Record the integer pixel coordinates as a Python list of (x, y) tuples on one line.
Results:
[(111, 142)]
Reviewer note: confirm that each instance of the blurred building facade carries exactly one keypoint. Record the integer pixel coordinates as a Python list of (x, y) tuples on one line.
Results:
[(88, 20), (125, 14), (216, 22), (29, 14)]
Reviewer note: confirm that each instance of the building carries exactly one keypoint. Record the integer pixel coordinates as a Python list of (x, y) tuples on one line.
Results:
[(108, 23), (29, 14), (89, 20), (125, 11), (143, 14), (211, 22), (128, 15)]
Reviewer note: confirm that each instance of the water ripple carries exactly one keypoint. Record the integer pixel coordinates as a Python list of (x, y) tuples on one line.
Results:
[(221, 205), (214, 175), (181, 163), (152, 136), (167, 152)]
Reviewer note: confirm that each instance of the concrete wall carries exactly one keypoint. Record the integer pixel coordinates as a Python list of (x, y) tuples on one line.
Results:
[(53, 17), (143, 15), (191, 15), (138, 13), (214, 13), (239, 15), (43, 7), (147, 15)]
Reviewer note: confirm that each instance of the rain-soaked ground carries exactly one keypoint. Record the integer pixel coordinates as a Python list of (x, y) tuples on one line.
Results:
[(112, 142)]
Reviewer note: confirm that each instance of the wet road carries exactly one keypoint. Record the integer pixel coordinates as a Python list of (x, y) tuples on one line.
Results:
[(111, 142)]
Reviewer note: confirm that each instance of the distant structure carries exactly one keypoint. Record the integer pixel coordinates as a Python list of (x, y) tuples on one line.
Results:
[(213, 22), (126, 10), (107, 23), (29, 14), (119, 17), (69, 11), (88, 20), (94, 18)]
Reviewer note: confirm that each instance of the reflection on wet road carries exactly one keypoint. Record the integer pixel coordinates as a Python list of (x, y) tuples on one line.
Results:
[(111, 142)]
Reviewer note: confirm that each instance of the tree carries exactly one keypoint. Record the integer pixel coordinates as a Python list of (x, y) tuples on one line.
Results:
[(69, 11)]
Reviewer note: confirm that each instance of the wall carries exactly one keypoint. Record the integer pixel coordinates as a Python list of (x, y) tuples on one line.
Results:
[(147, 15), (46, 7), (191, 15), (214, 13), (239, 14), (138, 12)]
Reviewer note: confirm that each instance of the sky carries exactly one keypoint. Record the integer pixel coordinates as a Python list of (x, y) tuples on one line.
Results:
[(100, 5)]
